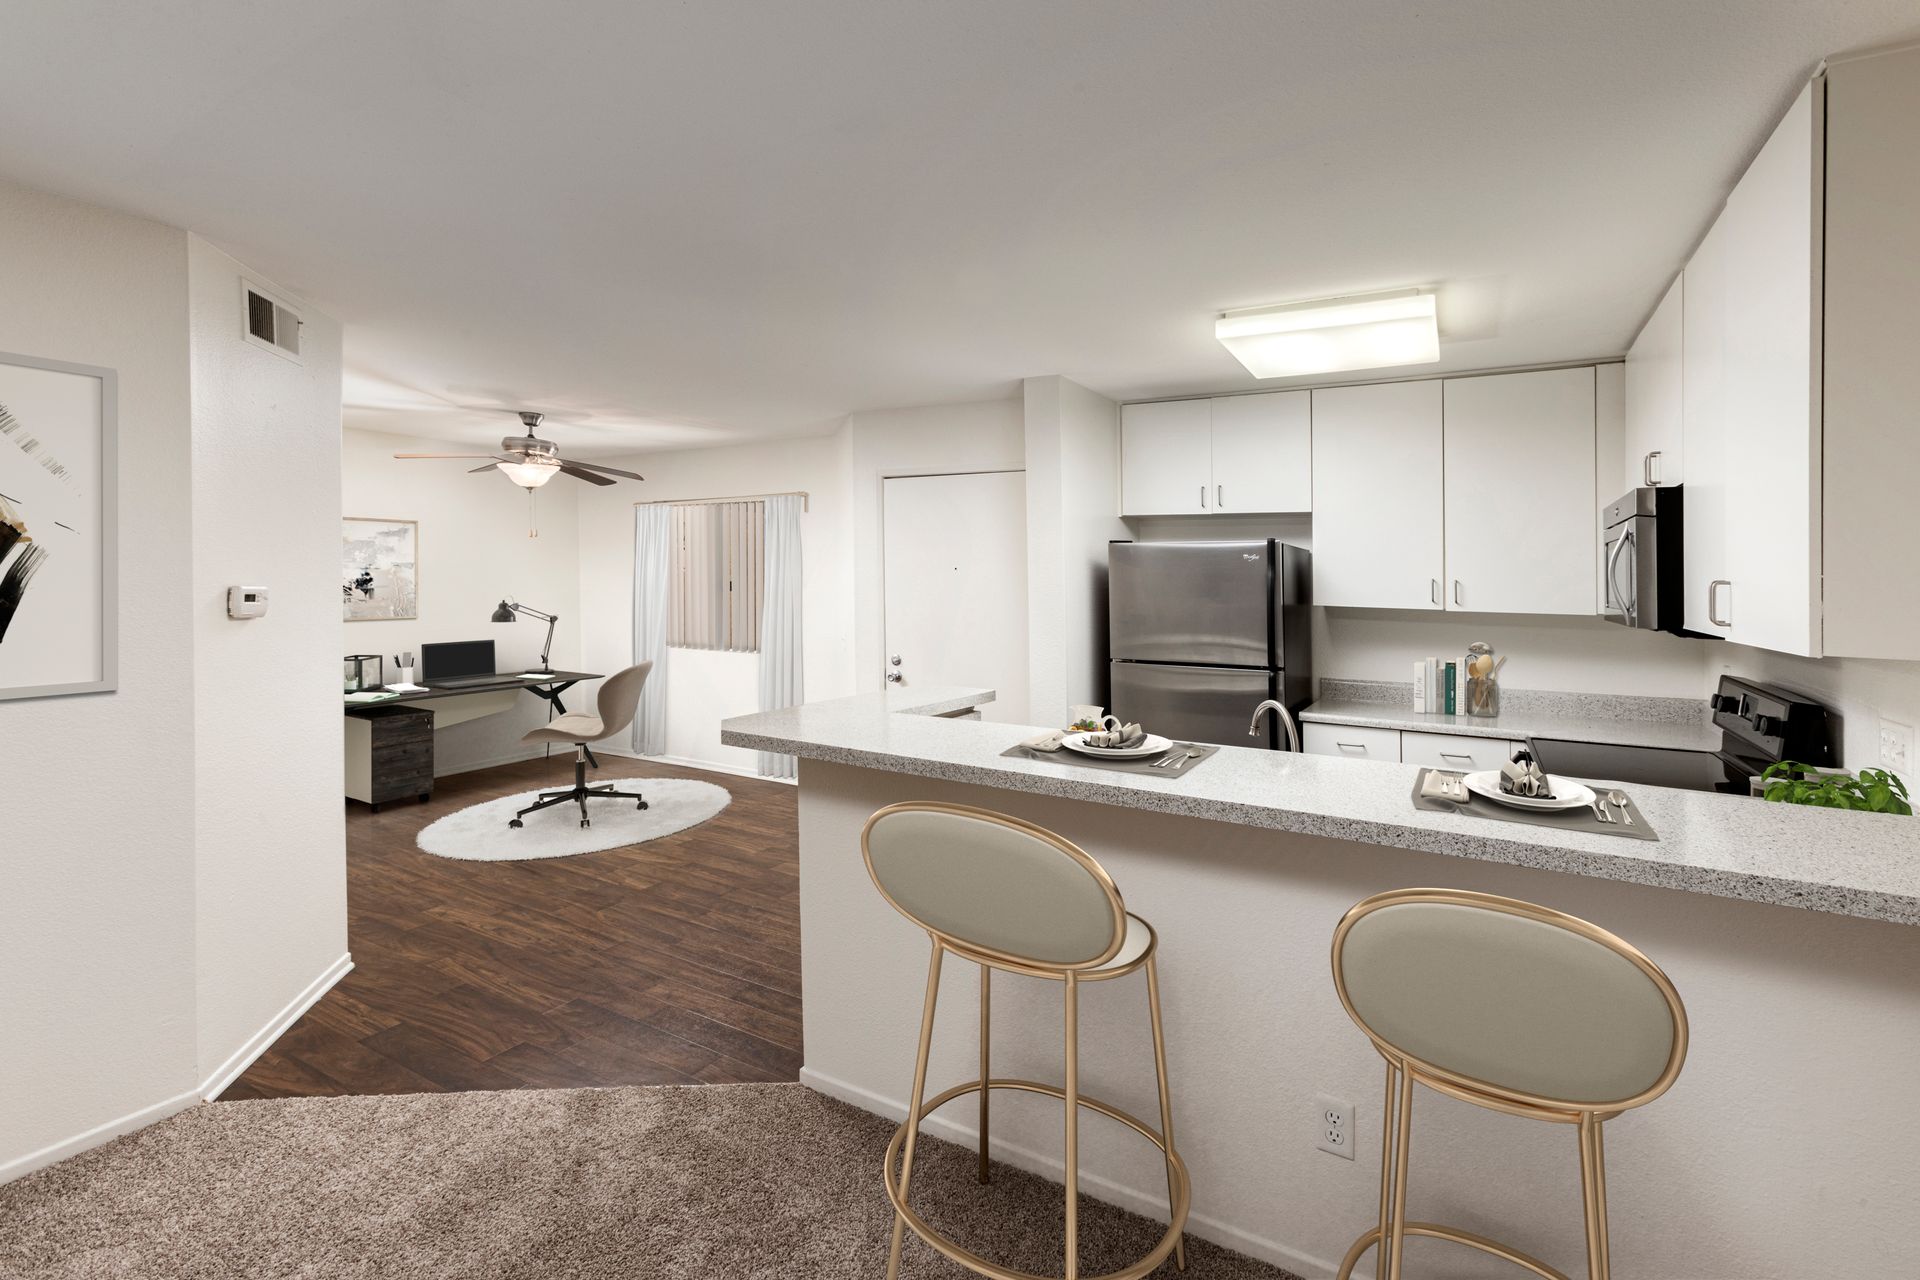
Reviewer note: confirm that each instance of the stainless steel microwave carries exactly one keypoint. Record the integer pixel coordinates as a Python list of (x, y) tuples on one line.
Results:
[(1641, 574)]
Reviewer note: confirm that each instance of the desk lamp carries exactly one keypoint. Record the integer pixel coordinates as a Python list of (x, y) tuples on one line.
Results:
[(510, 607)]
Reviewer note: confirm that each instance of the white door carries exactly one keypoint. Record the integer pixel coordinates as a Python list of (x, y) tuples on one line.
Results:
[(1519, 491), (955, 549), (1704, 424), (1772, 516), (1378, 520), (1654, 452), (1263, 452), (1166, 458)]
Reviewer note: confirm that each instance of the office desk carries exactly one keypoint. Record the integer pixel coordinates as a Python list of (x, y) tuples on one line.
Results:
[(389, 754)]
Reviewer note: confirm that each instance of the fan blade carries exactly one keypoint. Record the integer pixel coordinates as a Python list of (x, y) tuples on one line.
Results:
[(567, 468), (443, 455), (612, 471)]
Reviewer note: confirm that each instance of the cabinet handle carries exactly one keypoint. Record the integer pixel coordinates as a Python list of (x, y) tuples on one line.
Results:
[(1456, 591), (1650, 470), (1713, 598), (1350, 746), (1220, 496), (1435, 593), (1203, 497), (1456, 755)]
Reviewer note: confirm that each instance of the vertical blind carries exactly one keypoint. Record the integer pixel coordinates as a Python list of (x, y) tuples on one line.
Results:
[(718, 576)]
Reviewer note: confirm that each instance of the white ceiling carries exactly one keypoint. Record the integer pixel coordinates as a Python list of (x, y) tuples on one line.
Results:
[(672, 224)]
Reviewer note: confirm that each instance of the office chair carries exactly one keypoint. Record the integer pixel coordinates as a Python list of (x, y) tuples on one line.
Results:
[(619, 699)]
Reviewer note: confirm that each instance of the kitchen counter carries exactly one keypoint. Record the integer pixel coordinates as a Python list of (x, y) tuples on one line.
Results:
[(1682, 723), (1851, 864), (1246, 865)]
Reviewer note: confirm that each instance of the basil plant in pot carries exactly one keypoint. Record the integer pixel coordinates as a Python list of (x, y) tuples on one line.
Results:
[(1870, 790)]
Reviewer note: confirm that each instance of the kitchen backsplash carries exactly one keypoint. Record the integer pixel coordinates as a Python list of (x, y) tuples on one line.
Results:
[(1521, 702)]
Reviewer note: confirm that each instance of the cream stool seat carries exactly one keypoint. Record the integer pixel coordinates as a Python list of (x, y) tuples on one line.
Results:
[(1011, 896), (1512, 1007)]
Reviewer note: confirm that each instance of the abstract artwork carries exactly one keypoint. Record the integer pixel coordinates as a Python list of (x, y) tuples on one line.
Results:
[(58, 597), (380, 575)]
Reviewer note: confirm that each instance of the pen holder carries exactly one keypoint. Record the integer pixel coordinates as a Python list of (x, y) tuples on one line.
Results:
[(404, 675)]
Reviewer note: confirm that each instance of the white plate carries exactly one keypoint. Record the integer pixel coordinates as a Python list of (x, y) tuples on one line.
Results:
[(1154, 745), (1567, 793)]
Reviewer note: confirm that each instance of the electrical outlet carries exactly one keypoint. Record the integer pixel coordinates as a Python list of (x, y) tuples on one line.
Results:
[(1896, 746), (1333, 1126)]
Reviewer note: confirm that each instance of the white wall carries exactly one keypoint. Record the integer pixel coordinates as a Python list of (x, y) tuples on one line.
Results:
[(1072, 442), (96, 919), (271, 913), (474, 550), (931, 440), (705, 687)]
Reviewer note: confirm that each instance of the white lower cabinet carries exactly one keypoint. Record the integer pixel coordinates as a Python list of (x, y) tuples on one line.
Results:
[(1455, 752), (1350, 742)]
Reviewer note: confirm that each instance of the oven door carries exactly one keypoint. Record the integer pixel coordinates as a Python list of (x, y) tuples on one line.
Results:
[(1627, 574)]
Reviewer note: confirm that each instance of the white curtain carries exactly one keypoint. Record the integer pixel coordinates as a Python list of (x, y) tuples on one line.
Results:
[(652, 561), (780, 680)]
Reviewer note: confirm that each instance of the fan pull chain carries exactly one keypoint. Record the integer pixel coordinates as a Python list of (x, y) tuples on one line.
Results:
[(531, 531)]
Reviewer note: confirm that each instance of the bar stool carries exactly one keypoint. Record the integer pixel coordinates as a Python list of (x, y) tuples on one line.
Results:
[(1008, 895), (1511, 1007)]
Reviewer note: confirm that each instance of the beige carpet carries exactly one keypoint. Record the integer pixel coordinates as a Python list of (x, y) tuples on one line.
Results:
[(723, 1181)]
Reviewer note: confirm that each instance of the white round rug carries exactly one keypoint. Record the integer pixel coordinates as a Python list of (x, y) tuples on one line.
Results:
[(479, 833)]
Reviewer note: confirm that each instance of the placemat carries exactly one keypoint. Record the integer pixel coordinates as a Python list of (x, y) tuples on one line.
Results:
[(1580, 819), (1200, 751)]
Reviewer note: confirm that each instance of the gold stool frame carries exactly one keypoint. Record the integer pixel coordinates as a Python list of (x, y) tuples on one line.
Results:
[(1403, 1070), (901, 1147)]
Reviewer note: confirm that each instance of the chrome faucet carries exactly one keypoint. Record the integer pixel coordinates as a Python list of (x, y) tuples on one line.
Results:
[(1286, 721)]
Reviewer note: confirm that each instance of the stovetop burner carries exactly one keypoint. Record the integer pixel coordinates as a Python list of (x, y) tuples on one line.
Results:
[(1759, 725)]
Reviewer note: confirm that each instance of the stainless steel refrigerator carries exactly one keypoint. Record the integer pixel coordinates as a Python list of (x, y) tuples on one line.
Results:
[(1200, 633)]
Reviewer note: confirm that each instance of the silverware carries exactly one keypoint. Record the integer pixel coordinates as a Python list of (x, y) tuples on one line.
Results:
[(1619, 801), (1600, 811), (1175, 759)]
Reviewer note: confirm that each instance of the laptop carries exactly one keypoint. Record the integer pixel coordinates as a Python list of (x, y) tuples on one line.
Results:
[(457, 664)]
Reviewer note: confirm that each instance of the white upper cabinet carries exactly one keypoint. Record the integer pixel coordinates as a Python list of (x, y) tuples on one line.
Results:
[(1234, 454), (1519, 464), (1654, 441), (1378, 511), (1166, 458), (1263, 452), (1703, 350), (1771, 511)]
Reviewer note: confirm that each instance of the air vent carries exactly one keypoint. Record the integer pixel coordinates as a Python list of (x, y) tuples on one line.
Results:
[(271, 323)]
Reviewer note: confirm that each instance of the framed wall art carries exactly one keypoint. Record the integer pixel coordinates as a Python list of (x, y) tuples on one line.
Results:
[(59, 597), (380, 574)]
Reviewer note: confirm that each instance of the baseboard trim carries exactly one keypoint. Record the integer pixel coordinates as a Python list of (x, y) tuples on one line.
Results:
[(688, 762), (21, 1166), (1149, 1202), (258, 1043)]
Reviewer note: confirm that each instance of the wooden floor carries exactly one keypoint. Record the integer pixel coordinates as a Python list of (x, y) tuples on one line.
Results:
[(671, 962)]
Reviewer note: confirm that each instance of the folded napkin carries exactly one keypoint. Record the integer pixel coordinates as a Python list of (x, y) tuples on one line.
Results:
[(1045, 741), (1126, 735), (1522, 776)]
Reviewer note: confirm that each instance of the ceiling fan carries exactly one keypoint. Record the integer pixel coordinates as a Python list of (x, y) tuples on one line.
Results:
[(530, 462)]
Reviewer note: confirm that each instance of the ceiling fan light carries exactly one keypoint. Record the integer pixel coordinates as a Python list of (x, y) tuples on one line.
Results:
[(530, 474), (1371, 331)]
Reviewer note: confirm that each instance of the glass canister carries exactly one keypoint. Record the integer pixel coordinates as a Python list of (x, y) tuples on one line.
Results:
[(1483, 680)]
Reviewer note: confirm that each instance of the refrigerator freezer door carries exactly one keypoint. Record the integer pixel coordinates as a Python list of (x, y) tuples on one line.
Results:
[(1194, 704), (1190, 602)]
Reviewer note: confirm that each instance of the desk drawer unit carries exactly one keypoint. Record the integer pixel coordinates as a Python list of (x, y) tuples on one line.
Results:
[(1350, 742), (389, 754)]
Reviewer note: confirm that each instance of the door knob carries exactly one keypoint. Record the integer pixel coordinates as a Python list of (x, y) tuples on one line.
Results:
[(894, 677), (894, 660)]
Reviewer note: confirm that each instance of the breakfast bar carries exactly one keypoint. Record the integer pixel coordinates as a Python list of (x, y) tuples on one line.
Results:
[(1789, 932)]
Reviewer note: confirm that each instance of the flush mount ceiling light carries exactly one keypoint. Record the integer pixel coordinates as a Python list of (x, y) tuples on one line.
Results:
[(1331, 335)]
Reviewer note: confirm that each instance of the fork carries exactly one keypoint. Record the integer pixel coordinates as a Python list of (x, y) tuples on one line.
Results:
[(1600, 811)]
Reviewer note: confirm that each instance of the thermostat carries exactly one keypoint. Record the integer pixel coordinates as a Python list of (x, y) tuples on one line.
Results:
[(246, 602)]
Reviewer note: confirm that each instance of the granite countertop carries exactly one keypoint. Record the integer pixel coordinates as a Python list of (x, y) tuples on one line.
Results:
[(1641, 722), (1851, 864)]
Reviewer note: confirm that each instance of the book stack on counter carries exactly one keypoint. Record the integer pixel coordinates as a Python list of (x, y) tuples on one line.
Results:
[(1436, 686)]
